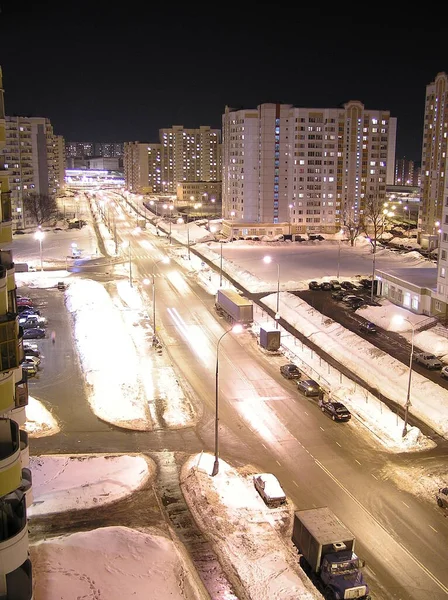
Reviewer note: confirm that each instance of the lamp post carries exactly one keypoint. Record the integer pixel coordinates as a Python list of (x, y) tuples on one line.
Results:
[(290, 206), (171, 207), (165, 260), (373, 242), (39, 235), (235, 329), (232, 215), (399, 319), (268, 260)]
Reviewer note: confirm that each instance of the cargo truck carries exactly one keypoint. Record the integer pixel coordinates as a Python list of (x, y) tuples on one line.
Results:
[(328, 556), (234, 307)]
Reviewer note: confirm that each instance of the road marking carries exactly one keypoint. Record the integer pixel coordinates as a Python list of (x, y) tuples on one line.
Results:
[(358, 461), (434, 529), (263, 446), (339, 444), (296, 484), (374, 476), (321, 428), (406, 504), (278, 463), (362, 507)]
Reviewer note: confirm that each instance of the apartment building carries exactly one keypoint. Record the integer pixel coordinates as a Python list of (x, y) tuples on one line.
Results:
[(34, 157), (434, 154), (94, 149), (143, 167), (15, 476), (189, 155), (309, 169), (406, 173)]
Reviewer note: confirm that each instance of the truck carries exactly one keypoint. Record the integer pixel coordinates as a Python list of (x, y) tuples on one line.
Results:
[(327, 550), (234, 307)]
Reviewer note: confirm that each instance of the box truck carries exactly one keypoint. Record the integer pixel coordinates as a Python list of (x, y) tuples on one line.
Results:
[(234, 307)]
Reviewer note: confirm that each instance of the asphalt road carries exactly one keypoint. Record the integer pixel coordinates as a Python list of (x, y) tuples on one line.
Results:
[(266, 422)]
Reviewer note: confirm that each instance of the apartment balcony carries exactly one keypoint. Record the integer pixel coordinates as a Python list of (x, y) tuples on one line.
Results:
[(27, 487), (21, 391), (5, 216), (11, 340), (14, 542), (19, 583), (24, 449), (8, 265), (10, 457), (7, 392)]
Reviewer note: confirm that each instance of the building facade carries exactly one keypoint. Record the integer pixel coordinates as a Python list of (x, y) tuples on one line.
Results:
[(434, 158), (312, 169), (94, 149), (143, 167), (34, 158), (406, 173), (15, 476)]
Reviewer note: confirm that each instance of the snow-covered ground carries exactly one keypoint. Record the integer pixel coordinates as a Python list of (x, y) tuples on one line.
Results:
[(152, 558)]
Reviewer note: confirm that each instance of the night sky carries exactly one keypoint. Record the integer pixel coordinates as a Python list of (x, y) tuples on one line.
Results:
[(104, 73)]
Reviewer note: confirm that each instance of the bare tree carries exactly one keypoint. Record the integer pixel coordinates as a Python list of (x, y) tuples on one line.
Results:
[(40, 207), (353, 225), (374, 219)]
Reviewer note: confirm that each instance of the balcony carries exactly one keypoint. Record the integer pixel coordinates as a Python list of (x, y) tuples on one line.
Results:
[(10, 457), (19, 583), (21, 395), (13, 531), (27, 487), (24, 449), (11, 336)]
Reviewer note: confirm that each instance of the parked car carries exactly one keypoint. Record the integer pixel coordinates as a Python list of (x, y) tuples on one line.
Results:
[(366, 283), (313, 285), (33, 333), (269, 488), (347, 285), (309, 387), (31, 350), (32, 321), (442, 497), (338, 295), (428, 360), (349, 297), (336, 410), (444, 372), (27, 310), (326, 286), (24, 302), (356, 302), (29, 368), (61, 285), (290, 371), (335, 285), (367, 327), (34, 360)]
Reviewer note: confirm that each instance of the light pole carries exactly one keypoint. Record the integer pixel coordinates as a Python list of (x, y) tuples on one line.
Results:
[(268, 260), (235, 329), (399, 319), (39, 235), (290, 206), (165, 260), (232, 215), (373, 242), (220, 269), (171, 207)]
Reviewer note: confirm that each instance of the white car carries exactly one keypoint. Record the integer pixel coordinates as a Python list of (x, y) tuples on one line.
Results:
[(269, 488), (34, 360), (444, 372)]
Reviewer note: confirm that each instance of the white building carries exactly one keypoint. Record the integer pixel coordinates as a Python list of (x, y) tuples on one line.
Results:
[(312, 169)]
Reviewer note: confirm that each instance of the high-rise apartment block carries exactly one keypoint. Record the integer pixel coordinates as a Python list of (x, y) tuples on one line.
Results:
[(182, 155), (34, 157), (406, 173), (94, 149), (315, 169), (15, 476), (434, 154)]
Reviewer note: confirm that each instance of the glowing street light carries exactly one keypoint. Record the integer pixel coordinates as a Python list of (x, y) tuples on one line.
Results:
[(268, 260), (235, 329), (39, 235), (399, 319), (165, 260)]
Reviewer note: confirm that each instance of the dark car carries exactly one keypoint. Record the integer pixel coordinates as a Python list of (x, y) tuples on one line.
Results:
[(336, 410), (367, 327), (347, 285), (33, 333), (366, 283), (356, 302), (25, 311), (335, 285), (19, 232), (348, 297), (290, 371), (31, 350), (313, 285), (338, 295), (326, 286), (309, 387)]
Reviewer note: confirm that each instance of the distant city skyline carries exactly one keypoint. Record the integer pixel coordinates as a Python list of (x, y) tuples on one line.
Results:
[(104, 77)]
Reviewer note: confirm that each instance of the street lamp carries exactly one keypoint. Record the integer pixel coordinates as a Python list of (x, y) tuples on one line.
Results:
[(235, 329), (39, 235), (290, 206), (232, 215), (171, 207), (400, 319), (165, 260), (373, 267), (127, 244), (268, 260)]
